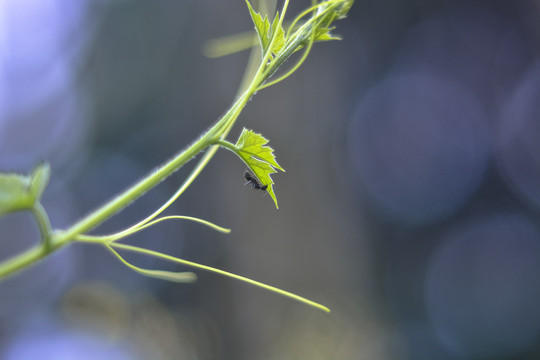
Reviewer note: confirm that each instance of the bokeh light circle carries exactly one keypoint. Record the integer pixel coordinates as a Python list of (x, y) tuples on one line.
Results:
[(518, 138), (41, 112), (482, 288), (418, 142)]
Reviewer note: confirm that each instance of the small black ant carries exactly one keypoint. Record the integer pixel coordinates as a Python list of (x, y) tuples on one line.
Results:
[(250, 179)]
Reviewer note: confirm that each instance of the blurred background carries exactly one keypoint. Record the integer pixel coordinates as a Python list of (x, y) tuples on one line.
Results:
[(410, 205)]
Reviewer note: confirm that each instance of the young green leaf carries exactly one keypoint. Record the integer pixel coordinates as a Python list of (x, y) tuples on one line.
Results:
[(252, 149), (321, 34), (267, 31), (279, 35), (14, 193)]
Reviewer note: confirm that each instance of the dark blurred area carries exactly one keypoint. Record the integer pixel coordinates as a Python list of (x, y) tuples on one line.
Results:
[(410, 205)]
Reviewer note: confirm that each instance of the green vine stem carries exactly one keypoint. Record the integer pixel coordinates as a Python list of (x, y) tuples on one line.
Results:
[(277, 48), (44, 224), (60, 238)]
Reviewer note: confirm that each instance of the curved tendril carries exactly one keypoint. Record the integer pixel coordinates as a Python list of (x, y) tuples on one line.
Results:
[(218, 271), (305, 13), (123, 234), (294, 68), (134, 228), (159, 274), (331, 5)]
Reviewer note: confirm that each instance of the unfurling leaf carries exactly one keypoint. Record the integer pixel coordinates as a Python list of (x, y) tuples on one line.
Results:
[(266, 31), (40, 179), (19, 192), (260, 159)]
